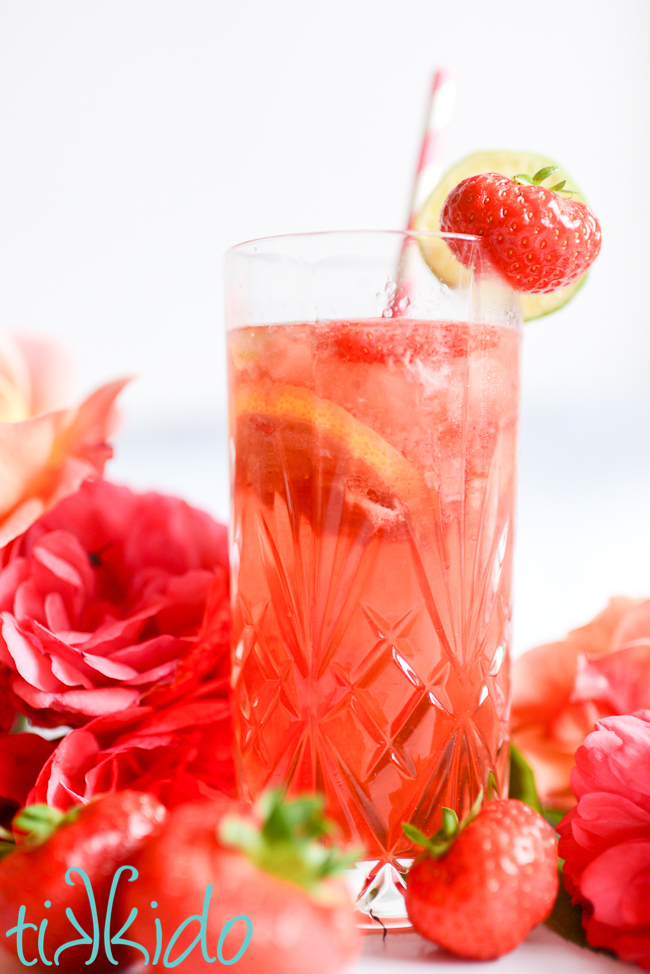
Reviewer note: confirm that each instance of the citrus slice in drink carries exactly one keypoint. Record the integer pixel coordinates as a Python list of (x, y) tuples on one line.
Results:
[(292, 442), (438, 255)]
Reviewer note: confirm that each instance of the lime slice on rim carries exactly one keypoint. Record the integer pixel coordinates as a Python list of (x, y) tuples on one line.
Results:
[(438, 255)]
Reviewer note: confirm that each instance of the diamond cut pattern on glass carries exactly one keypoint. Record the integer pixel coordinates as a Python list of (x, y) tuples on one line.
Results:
[(371, 662)]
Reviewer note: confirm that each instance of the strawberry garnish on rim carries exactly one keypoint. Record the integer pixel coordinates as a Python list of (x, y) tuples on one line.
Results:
[(540, 239)]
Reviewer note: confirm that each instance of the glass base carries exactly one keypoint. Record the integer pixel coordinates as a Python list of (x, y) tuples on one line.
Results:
[(378, 889)]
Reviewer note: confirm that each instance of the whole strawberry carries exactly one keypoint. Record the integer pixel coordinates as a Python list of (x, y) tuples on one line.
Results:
[(50, 846), (261, 888), (481, 886), (538, 239)]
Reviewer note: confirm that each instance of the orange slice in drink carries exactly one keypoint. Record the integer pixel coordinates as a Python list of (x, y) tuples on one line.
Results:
[(290, 441)]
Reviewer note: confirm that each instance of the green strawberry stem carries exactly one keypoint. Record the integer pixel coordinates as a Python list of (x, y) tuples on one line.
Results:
[(540, 176), (288, 844), (38, 822), (440, 843), (7, 842)]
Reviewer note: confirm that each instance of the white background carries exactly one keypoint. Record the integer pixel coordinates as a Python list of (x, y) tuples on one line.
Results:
[(140, 138)]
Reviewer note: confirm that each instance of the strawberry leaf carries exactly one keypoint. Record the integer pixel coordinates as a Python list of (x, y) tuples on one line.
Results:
[(288, 844), (559, 186), (36, 823), (7, 842), (543, 174), (449, 821), (523, 177), (437, 846), (442, 841)]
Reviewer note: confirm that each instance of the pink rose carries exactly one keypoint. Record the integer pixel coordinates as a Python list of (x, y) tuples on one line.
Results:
[(561, 689), (605, 839), (177, 744), (46, 450), (102, 597)]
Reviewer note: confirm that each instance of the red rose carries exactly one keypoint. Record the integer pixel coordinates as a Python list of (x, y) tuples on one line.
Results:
[(21, 758), (177, 744), (101, 597), (177, 753), (605, 839)]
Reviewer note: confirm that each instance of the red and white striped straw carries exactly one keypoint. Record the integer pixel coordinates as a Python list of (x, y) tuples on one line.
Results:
[(429, 171), (439, 112)]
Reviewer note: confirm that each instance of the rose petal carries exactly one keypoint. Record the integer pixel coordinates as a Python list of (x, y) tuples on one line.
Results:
[(604, 818), (94, 627), (93, 703), (597, 636), (542, 680), (617, 883), (621, 678), (69, 674), (46, 457), (634, 625), (27, 657), (50, 370), (15, 380)]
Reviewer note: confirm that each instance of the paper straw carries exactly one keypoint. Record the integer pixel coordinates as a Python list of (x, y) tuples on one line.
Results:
[(428, 173), (439, 112)]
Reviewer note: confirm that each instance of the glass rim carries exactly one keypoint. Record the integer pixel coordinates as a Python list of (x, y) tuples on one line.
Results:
[(311, 234)]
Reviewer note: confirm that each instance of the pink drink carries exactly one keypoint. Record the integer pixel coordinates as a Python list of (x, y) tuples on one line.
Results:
[(374, 483)]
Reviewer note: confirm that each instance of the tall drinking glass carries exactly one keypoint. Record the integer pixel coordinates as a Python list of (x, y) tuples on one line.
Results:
[(373, 428)]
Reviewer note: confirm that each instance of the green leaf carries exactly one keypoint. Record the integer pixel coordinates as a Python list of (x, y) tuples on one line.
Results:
[(558, 186), (543, 174), (522, 177), (554, 815), (449, 821), (284, 820), (491, 784), (7, 842), (522, 780), (416, 836), (288, 844), (566, 917), (38, 822), (474, 810)]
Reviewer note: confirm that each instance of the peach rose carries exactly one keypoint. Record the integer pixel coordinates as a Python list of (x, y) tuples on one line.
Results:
[(561, 689), (46, 450)]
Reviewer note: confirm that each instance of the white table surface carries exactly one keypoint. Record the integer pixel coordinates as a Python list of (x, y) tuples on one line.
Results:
[(407, 953), (543, 952)]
